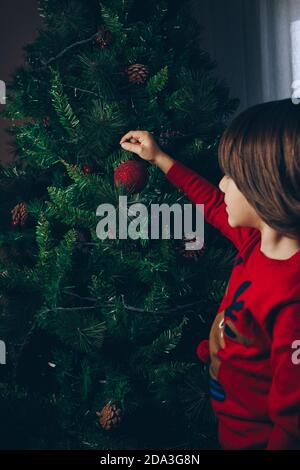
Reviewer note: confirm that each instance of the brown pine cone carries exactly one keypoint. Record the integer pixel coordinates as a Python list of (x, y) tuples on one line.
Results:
[(137, 73), (19, 214), (104, 37), (109, 416)]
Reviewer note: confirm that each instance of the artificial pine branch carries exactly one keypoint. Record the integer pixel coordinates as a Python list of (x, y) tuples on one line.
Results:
[(66, 49)]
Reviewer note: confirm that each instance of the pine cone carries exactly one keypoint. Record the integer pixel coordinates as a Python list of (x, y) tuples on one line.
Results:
[(194, 255), (19, 214), (104, 37), (109, 416), (137, 73)]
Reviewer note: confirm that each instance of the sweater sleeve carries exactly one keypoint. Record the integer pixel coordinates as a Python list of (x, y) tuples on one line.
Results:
[(284, 395), (200, 191)]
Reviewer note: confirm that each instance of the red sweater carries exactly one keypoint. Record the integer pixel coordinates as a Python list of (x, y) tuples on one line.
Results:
[(254, 345)]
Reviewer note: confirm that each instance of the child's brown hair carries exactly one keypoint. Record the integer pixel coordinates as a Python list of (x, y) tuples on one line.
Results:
[(260, 151)]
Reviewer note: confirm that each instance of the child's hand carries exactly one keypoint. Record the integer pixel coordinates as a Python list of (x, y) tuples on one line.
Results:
[(142, 143)]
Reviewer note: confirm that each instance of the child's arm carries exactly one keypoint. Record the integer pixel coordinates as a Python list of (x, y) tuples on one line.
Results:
[(196, 188), (284, 396), (201, 191)]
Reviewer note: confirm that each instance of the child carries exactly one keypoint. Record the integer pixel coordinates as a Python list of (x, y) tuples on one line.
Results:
[(252, 349)]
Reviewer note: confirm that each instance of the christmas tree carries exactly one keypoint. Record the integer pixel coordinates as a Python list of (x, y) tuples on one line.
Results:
[(101, 335)]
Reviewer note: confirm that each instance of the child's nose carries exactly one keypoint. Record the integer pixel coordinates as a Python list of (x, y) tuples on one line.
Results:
[(221, 184)]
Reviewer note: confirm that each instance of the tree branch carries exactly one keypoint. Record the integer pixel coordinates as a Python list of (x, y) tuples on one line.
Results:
[(71, 46), (174, 309)]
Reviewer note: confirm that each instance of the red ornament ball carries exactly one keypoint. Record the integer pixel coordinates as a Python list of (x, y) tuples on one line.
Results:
[(46, 122), (87, 169), (132, 175), (202, 351)]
